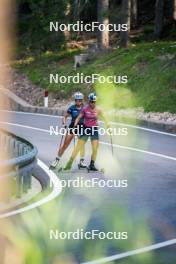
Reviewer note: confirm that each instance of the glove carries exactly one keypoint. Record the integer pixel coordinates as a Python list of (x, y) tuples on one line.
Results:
[(64, 125)]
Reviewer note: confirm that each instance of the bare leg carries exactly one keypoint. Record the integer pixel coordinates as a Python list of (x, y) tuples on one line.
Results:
[(95, 145), (61, 151), (80, 145), (67, 141), (82, 151)]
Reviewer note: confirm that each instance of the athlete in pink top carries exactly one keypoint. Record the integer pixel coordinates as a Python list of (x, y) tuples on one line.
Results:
[(90, 114)]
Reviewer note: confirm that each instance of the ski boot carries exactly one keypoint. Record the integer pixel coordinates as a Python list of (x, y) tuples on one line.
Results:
[(92, 166), (54, 163), (69, 164), (82, 164)]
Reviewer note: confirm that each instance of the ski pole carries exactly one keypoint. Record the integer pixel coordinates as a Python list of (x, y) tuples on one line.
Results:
[(112, 149), (74, 142), (62, 137)]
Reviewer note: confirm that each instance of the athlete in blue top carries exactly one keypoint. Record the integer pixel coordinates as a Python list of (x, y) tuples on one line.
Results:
[(73, 112)]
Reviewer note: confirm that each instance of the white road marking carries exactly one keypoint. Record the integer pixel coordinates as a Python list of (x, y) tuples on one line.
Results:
[(133, 252), (142, 128), (48, 198), (103, 143), (57, 188), (140, 150), (28, 113), (114, 123), (29, 127)]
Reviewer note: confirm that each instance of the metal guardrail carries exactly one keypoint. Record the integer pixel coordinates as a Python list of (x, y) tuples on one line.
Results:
[(22, 158)]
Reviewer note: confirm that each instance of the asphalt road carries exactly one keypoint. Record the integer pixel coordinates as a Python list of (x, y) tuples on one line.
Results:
[(146, 159)]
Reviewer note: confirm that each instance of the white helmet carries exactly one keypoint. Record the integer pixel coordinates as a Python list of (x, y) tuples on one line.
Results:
[(78, 96)]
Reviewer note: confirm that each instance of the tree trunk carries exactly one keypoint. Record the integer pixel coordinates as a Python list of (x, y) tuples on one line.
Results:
[(76, 10), (174, 10), (125, 19), (102, 11), (159, 18), (134, 13)]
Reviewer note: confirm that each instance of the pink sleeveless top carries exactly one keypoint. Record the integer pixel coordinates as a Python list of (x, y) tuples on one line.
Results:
[(90, 116)]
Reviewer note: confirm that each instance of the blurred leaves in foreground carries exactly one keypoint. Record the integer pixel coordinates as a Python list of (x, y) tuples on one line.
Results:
[(30, 243)]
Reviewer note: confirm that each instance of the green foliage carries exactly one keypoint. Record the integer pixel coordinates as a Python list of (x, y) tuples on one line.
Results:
[(30, 232), (150, 68), (33, 24), (32, 238)]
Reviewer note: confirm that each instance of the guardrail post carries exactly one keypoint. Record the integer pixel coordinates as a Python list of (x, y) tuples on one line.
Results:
[(22, 156), (27, 181), (19, 182)]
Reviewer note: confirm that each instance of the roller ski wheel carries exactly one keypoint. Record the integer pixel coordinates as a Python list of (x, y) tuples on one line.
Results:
[(82, 168), (99, 170), (51, 167), (92, 168), (59, 169)]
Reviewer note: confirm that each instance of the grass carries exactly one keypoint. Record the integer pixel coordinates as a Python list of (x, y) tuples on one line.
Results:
[(150, 67)]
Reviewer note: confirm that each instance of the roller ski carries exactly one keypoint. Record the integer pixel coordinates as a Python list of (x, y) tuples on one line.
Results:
[(54, 164), (92, 168), (82, 165)]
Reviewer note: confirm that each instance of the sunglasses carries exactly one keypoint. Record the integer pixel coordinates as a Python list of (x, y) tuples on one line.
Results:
[(92, 102), (78, 100)]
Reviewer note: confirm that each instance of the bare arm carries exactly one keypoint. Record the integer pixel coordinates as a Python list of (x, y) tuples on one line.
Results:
[(64, 121), (78, 119)]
